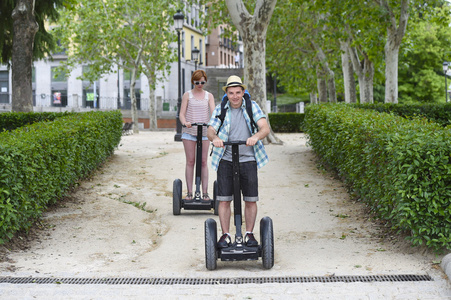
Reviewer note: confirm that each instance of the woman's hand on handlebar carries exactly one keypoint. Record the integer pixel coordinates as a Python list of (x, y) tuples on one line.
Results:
[(188, 125)]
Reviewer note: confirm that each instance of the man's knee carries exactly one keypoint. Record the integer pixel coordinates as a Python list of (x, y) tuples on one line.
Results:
[(224, 204), (250, 204)]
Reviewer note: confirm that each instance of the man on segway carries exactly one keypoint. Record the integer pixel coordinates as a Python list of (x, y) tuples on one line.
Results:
[(237, 125)]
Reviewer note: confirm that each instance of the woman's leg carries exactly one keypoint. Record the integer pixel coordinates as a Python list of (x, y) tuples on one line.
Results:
[(190, 153), (204, 176)]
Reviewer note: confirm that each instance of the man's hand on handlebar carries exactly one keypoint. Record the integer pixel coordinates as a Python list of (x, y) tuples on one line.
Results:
[(217, 142), (251, 141)]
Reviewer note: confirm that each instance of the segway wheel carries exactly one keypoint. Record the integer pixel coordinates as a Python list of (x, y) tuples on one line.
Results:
[(267, 240), (215, 201), (176, 197), (211, 254)]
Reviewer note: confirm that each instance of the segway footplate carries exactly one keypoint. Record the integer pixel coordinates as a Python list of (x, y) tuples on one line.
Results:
[(197, 205), (236, 253)]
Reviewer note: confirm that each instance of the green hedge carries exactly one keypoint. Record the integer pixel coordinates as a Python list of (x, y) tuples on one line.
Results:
[(42, 161), (439, 113), (286, 122), (400, 167), (12, 120)]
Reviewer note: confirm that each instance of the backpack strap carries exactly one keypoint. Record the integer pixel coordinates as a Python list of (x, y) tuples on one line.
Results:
[(221, 116), (247, 99)]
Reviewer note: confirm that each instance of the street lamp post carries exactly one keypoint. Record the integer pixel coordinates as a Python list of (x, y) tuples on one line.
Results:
[(195, 54), (178, 23)]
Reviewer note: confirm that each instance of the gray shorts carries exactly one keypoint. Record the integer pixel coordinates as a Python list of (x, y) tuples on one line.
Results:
[(248, 181)]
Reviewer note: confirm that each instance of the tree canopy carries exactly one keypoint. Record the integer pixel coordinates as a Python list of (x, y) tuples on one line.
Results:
[(422, 55), (306, 35), (44, 42), (134, 35)]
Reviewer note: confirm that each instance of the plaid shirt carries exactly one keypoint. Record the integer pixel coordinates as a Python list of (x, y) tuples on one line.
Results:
[(259, 150)]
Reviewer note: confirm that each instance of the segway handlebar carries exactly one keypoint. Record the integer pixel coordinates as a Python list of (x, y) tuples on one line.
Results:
[(197, 124), (234, 143)]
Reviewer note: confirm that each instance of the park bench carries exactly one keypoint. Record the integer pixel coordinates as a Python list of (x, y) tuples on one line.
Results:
[(127, 128)]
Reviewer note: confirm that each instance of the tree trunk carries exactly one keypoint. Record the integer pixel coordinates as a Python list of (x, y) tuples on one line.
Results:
[(25, 28), (322, 86), (313, 98), (395, 34), (253, 28), (331, 87), (365, 73), (152, 111), (134, 108), (327, 72), (369, 79), (348, 74), (391, 71)]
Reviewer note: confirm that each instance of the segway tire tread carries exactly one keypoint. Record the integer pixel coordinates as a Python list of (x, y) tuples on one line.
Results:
[(211, 254), (176, 197), (267, 239)]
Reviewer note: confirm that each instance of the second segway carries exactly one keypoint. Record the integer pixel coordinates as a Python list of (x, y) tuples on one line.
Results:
[(197, 203), (238, 250)]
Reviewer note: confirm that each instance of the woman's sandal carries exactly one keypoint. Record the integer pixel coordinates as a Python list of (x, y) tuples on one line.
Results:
[(206, 198), (189, 197)]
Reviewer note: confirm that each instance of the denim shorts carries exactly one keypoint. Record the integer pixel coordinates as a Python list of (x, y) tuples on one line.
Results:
[(248, 181), (190, 137)]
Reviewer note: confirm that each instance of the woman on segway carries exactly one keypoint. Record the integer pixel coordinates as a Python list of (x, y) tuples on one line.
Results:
[(197, 106)]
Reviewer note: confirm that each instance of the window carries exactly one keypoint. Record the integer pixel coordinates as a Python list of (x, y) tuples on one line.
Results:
[(59, 88), (187, 16), (128, 99), (192, 45), (90, 91), (33, 84), (58, 75), (196, 17), (183, 44), (200, 52), (59, 50), (193, 16), (4, 86)]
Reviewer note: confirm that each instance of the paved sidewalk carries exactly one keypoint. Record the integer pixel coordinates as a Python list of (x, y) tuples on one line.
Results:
[(318, 232)]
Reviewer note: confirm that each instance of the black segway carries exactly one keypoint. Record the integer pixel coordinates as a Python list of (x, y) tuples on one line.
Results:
[(196, 203), (238, 250)]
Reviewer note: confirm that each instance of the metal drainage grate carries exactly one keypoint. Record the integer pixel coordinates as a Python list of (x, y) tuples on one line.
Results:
[(213, 281)]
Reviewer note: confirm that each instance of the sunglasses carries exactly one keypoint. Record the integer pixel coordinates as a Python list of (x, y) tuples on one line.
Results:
[(199, 82)]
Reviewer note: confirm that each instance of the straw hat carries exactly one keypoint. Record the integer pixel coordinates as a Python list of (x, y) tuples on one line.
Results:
[(233, 81)]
